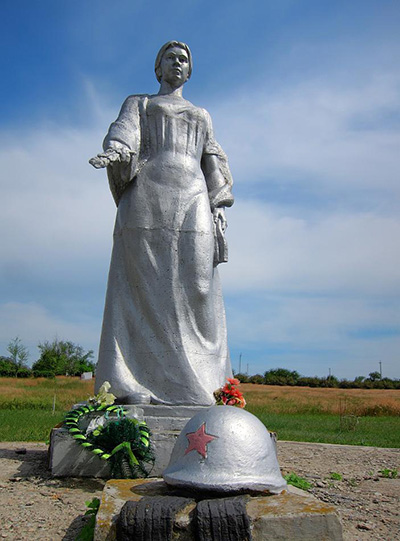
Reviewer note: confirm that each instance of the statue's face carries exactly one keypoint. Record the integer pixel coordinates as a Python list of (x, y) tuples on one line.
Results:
[(175, 66)]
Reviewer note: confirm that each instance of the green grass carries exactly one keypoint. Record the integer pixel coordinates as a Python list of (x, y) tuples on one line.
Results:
[(27, 424), (40, 393), (26, 411), (326, 428), (35, 425), (389, 474), (26, 405), (299, 482), (87, 532)]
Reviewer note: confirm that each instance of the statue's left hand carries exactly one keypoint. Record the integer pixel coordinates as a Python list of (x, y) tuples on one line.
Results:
[(219, 214)]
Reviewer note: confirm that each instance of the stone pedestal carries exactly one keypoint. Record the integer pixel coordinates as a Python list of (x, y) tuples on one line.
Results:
[(165, 424), (69, 459), (293, 514)]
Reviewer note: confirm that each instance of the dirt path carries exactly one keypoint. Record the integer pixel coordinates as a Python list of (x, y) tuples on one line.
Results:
[(33, 505), (368, 503)]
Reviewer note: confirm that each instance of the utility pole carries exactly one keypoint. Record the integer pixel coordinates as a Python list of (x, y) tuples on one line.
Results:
[(380, 368), (240, 363), (247, 371), (329, 372)]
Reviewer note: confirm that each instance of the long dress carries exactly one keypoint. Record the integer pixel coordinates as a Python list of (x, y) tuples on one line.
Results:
[(164, 330)]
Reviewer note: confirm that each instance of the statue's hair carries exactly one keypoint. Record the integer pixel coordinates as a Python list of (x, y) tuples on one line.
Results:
[(164, 48)]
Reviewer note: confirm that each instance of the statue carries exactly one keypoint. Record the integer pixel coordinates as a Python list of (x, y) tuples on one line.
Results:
[(164, 332)]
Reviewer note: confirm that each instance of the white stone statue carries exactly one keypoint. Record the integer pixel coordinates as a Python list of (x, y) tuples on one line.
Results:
[(164, 333)]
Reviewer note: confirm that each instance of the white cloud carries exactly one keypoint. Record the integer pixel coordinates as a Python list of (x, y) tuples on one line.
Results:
[(323, 289), (54, 205), (346, 253), (312, 322), (34, 323), (312, 334), (331, 135), (57, 221)]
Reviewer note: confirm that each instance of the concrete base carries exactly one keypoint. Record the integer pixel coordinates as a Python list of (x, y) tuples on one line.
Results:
[(293, 515), (69, 459)]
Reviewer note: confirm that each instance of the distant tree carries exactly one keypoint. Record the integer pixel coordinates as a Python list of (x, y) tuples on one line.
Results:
[(8, 368), (359, 382), (330, 381), (61, 357), (346, 384), (374, 376), (313, 381), (281, 376), (243, 378), (19, 354), (257, 378)]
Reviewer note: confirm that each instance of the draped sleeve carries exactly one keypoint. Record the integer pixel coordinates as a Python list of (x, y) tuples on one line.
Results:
[(125, 132), (220, 193)]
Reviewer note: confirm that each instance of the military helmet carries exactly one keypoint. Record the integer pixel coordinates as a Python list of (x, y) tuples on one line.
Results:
[(225, 449)]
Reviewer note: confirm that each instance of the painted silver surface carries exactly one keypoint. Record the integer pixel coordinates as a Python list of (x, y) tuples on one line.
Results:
[(164, 330), (239, 454)]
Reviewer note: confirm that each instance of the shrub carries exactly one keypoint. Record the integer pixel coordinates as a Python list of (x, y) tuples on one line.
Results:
[(8, 368), (243, 378), (257, 378), (281, 376), (44, 374), (24, 373)]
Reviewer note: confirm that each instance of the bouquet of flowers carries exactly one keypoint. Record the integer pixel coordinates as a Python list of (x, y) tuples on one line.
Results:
[(229, 394)]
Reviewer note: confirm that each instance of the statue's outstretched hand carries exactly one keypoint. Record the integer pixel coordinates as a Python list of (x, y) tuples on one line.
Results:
[(109, 156)]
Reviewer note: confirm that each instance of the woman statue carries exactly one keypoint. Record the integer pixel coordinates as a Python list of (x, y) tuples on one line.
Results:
[(164, 332)]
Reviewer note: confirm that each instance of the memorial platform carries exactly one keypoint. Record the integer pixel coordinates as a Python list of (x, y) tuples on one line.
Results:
[(293, 514), (69, 459)]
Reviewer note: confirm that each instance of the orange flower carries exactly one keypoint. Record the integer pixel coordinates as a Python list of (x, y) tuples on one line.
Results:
[(229, 394)]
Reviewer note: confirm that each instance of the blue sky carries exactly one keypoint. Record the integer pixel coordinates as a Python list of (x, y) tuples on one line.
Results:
[(305, 100)]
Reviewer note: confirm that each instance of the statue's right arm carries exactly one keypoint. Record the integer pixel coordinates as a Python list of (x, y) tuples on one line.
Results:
[(119, 143)]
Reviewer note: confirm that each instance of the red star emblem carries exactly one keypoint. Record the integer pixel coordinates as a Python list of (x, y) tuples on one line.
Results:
[(199, 440)]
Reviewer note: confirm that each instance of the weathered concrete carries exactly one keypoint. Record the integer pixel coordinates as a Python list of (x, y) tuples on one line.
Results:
[(165, 424), (293, 514), (69, 459)]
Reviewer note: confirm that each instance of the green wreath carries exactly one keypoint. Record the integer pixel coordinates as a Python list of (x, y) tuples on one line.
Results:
[(124, 442)]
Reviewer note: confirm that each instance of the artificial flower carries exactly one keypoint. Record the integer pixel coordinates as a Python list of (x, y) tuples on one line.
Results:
[(229, 395)]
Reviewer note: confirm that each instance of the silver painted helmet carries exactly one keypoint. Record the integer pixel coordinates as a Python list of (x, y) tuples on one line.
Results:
[(225, 449)]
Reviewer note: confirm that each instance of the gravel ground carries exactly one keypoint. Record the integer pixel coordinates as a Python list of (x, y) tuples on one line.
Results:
[(33, 505)]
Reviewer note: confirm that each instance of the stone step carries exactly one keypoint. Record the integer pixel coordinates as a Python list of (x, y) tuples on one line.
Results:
[(293, 514)]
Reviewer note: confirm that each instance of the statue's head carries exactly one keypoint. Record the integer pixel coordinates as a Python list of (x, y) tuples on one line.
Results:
[(175, 46)]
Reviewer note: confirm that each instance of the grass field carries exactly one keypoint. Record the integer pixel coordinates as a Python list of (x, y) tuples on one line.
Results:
[(359, 402), (29, 408), (346, 416), (40, 393)]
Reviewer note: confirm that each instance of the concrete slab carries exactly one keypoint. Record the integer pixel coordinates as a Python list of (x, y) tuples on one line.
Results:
[(68, 458), (150, 410), (293, 515)]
